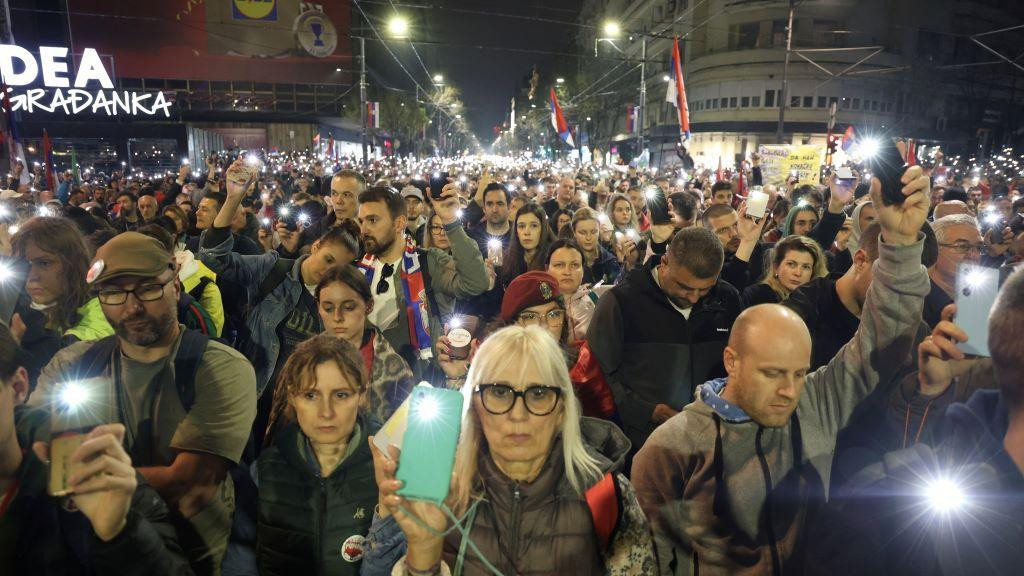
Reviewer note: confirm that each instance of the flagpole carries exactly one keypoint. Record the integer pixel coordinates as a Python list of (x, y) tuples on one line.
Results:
[(783, 96), (362, 96)]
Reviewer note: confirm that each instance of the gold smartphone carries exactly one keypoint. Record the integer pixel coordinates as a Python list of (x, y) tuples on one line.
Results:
[(76, 408)]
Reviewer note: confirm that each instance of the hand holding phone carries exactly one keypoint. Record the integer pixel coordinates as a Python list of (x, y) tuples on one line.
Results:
[(888, 165), (78, 406), (757, 202), (438, 180), (976, 290), (429, 443)]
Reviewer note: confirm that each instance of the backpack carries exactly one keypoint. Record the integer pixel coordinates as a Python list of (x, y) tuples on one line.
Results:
[(197, 292), (186, 362)]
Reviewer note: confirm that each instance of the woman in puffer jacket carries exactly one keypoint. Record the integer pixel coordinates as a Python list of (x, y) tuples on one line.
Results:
[(538, 486)]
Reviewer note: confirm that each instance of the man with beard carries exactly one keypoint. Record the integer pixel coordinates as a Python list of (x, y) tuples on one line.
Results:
[(740, 237), (729, 483), (414, 290), (661, 331), (187, 403)]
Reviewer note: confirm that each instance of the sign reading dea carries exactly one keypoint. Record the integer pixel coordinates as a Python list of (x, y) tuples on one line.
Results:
[(20, 68)]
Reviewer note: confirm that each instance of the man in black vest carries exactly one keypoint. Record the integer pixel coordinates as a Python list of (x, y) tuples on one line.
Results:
[(662, 331), (186, 423)]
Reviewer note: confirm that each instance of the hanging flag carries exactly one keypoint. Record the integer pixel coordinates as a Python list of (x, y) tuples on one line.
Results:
[(718, 175), (512, 118), (51, 181), (911, 155), (676, 92), (848, 138), (558, 121), (330, 147), (632, 119), (373, 114), (9, 135)]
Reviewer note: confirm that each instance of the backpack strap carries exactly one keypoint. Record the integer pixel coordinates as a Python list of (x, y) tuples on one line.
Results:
[(186, 365), (197, 292), (96, 358), (277, 275), (605, 502)]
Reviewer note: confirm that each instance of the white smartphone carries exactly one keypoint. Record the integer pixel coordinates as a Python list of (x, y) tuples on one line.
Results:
[(757, 202)]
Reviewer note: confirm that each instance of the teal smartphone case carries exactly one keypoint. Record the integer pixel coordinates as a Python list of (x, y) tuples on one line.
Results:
[(428, 446), (974, 301)]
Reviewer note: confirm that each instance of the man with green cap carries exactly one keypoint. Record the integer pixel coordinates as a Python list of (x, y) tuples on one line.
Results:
[(187, 403)]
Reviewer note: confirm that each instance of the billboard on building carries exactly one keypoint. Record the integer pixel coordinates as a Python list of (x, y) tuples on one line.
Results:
[(219, 40)]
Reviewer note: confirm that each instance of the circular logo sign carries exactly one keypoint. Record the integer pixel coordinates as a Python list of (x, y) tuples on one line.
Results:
[(316, 34), (94, 271), (352, 548), (255, 9)]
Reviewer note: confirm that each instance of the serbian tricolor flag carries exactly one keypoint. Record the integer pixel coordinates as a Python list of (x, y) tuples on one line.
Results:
[(373, 114), (558, 121), (676, 93), (848, 138), (632, 120)]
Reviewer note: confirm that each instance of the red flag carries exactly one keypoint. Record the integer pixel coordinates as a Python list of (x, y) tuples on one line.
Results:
[(48, 159), (911, 158), (739, 183), (719, 176), (330, 147), (558, 121)]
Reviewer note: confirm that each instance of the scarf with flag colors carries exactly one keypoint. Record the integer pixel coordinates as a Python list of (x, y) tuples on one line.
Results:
[(676, 92), (414, 291), (558, 121)]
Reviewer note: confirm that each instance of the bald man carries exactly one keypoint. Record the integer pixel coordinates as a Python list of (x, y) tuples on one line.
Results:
[(565, 197), (951, 207), (729, 483)]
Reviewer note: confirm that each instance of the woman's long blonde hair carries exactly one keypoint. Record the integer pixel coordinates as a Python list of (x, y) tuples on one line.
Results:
[(513, 349)]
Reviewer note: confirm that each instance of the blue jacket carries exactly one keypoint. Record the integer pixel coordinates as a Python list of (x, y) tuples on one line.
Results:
[(263, 319)]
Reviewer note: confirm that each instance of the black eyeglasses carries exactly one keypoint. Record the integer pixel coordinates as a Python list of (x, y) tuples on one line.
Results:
[(144, 293), (385, 274), (501, 398)]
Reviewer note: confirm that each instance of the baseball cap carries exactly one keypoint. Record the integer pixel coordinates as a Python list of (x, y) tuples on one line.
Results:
[(412, 191), (129, 254)]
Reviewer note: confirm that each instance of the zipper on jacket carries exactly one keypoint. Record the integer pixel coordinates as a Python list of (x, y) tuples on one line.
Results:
[(318, 529), (766, 473), (516, 520)]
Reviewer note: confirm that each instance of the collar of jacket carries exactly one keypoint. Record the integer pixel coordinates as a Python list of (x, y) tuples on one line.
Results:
[(710, 393), (644, 279)]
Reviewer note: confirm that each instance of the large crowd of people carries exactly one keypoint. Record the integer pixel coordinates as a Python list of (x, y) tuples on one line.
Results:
[(194, 368)]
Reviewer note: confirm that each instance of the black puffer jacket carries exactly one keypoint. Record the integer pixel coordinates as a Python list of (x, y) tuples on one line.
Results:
[(308, 524)]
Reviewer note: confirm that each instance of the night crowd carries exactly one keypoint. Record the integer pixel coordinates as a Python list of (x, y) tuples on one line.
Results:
[(657, 379)]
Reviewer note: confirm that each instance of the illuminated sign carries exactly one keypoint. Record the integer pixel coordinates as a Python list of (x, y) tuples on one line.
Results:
[(19, 67), (254, 10)]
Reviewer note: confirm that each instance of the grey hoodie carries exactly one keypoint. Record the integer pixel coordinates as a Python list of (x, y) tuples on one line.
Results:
[(725, 495)]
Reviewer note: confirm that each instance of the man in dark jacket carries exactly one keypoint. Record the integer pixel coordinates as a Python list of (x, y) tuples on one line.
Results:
[(662, 331), (951, 508), (112, 524)]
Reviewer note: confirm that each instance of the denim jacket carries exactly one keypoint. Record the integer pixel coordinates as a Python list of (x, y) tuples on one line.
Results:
[(250, 271)]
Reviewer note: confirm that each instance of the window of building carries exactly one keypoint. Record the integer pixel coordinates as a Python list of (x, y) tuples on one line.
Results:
[(856, 103), (778, 35), (743, 36), (846, 103), (745, 102), (755, 101), (732, 102), (769, 98), (723, 103), (808, 101), (794, 102), (822, 102), (874, 105)]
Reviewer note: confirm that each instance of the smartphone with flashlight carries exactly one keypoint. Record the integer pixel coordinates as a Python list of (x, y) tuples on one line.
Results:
[(657, 205), (79, 407), (888, 166), (976, 289), (428, 447), (438, 180), (392, 433)]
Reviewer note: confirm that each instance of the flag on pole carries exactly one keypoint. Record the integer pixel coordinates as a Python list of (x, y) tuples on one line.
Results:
[(632, 119), (512, 118), (51, 181), (676, 92), (719, 176), (330, 147), (558, 121), (741, 188), (848, 138), (373, 114), (74, 168)]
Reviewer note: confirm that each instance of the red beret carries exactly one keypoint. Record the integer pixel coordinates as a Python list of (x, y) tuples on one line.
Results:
[(528, 290)]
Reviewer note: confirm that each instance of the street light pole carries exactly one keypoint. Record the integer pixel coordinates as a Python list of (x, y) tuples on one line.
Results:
[(643, 98), (362, 96), (783, 95)]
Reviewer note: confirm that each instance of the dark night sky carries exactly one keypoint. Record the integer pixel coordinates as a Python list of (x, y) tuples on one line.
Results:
[(486, 77)]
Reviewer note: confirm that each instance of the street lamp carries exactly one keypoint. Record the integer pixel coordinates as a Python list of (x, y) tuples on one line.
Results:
[(438, 79), (665, 78), (611, 29), (398, 27), (560, 80)]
